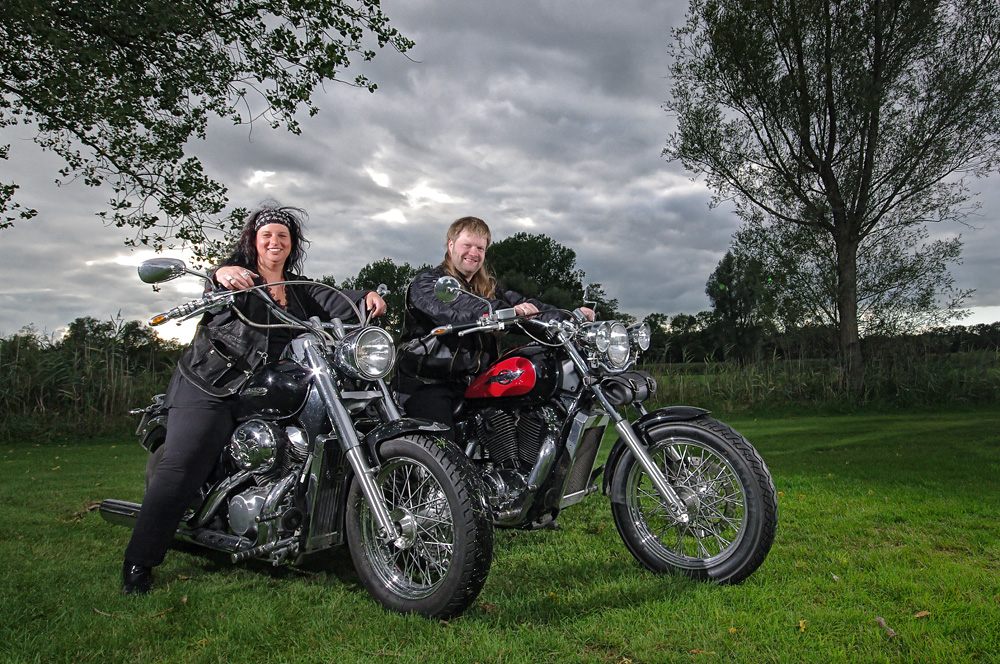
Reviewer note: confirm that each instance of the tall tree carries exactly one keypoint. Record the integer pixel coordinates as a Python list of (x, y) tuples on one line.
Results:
[(395, 277), (537, 266), (743, 302), (118, 88), (903, 282), (851, 119)]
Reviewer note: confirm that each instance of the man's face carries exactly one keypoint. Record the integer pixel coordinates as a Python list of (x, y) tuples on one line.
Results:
[(467, 253)]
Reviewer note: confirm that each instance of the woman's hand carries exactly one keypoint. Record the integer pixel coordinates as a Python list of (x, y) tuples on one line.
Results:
[(234, 277), (374, 304), (588, 313)]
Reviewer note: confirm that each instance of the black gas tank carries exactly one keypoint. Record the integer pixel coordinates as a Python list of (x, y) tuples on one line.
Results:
[(274, 391)]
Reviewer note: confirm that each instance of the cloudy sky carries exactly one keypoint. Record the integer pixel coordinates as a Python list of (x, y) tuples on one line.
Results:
[(542, 116)]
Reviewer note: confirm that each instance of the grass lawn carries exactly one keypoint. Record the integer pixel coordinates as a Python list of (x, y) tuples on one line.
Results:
[(888, 550)]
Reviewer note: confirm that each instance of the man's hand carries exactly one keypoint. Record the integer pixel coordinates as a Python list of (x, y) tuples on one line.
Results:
[(525, 309), (374, 304)]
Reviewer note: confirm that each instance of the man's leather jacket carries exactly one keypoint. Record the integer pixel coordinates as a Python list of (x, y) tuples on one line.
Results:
[(448, 357)]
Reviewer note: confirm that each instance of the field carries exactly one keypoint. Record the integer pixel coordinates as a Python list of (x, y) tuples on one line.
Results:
[(888, 550)]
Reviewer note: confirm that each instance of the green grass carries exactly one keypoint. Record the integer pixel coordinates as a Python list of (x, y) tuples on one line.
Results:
[(891, 516)]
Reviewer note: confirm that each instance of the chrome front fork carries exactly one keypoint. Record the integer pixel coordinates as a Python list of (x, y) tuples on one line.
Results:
[(349, 441), (632, 441)]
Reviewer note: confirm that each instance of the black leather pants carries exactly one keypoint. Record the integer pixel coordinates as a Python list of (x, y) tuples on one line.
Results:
[(198, 428)]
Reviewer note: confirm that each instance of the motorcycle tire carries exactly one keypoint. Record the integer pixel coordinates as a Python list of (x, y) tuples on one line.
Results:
[(439, 563), (732, 506)]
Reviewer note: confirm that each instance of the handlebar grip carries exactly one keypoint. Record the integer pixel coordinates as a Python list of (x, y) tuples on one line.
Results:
[(188, 308)]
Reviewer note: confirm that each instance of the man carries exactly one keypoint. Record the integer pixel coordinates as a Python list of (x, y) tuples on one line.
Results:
[(432, 373)]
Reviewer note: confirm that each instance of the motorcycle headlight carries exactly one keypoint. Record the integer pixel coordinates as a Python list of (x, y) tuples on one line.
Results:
[(640, 335), (598, 335), (367, 353), (618, 349)]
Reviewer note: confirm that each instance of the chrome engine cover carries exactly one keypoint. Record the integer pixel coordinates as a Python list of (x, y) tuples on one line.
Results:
[(256, 445), (504, 487), (244, 509)]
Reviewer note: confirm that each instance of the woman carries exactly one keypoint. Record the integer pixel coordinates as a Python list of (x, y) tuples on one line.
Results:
[(225, 350), (433, 371)]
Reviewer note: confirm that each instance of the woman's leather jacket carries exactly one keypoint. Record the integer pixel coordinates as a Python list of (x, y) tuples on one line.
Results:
[(225, 350)]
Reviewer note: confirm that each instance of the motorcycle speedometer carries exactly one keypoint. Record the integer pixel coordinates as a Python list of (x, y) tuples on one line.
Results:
[(618, 348), (367, 353)]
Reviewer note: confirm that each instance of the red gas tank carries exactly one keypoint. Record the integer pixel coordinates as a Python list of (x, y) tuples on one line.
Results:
[(526, 374)]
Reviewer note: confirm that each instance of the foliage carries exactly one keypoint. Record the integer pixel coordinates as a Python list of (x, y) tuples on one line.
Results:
[(395, 277), (881, 516), (118, 89), (852, 120), (539, 267), (744, 302), (903, 282)]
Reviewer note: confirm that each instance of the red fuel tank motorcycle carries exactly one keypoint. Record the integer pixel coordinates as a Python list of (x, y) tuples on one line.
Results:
[(688, 493)]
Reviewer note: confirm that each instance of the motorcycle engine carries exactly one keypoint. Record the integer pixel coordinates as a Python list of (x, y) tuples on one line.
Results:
[(270, 452), (513, 438), (263, 447), (512, 441)]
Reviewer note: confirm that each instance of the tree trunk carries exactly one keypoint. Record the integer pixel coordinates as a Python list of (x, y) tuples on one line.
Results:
[(851, 363)]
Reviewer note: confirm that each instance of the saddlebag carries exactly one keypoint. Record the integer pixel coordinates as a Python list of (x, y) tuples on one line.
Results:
[(628, 387)]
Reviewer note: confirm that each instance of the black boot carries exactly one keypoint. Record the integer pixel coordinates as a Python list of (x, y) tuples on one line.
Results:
[(136, 579)]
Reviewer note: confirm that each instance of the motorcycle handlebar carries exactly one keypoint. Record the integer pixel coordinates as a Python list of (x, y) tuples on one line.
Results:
[(495, 321), (213, 300)]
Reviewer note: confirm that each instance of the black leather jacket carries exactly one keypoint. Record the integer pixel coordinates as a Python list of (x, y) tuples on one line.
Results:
[(225, 350), (449, 357)]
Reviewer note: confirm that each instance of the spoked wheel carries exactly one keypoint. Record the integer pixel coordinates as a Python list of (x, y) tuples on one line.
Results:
[(731, 508), (439, 560)]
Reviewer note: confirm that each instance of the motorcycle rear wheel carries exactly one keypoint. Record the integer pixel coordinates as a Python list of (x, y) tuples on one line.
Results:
[(732, 506), (439, 563)]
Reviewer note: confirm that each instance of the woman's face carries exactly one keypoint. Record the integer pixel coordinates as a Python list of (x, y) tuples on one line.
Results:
[(467, 253), (274, 243)]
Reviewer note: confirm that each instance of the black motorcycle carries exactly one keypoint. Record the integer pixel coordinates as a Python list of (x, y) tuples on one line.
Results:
[(688, 493), (323, 457)]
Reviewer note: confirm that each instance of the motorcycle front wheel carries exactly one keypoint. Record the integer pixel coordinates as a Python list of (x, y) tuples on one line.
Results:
[(438, 563), (731, 512)]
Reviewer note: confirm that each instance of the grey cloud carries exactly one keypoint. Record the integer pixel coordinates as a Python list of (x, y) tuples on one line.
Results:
[(509, 111)]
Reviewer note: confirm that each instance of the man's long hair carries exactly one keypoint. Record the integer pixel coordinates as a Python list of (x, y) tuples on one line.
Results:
[(482, 282), (245, 252)]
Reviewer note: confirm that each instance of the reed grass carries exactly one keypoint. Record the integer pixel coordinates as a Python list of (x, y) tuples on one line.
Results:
[(897, 381), (48, 385)]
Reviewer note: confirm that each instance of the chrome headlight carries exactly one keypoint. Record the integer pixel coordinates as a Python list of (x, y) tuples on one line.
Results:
[(618, 349), (598, 335), (367, 353), (640, 335)]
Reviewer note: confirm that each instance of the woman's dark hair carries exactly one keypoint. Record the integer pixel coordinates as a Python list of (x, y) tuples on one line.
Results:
[(245, 253)]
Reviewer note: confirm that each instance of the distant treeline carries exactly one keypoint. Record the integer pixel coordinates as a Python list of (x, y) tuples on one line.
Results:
[(92, 375), (704, 338)]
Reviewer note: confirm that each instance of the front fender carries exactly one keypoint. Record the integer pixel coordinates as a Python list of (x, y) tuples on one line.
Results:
[(153, 432), (399, 427), (641, 426)]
